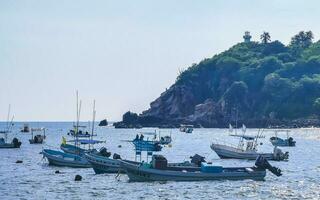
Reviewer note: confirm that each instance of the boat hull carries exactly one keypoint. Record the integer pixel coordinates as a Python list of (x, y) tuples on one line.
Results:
[(72, 149), (282, 143), (102, 164), (58, 158), (226, 152), (138, 173), (8, 146)]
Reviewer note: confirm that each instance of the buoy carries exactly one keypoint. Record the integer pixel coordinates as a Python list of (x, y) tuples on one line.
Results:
[(57, 172), (78, 178), (19, 161), (119, 146)]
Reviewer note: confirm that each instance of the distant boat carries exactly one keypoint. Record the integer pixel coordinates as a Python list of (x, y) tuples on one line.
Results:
[(141, 144), (4, 140), (37, 139), (186, 128), (159, 170), (277, 141), (246, 149), (25, 128), (79, 131)]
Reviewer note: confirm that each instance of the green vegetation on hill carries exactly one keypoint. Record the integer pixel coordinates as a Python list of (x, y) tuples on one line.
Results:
[(263, 82), (261, 79)]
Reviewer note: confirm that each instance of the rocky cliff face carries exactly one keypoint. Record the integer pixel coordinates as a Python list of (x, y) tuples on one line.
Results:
[(176, 102)]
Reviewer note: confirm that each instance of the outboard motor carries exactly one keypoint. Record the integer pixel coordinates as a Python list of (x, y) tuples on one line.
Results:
[(291, 141), (16, 143), (279, 155), (116, 156), (197, 159), (103, 152), (262, 163)]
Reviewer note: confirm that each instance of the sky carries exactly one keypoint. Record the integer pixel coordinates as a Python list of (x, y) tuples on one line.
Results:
[(122, 53)]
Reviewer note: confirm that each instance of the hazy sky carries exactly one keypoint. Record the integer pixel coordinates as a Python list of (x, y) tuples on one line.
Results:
[(122, 53)]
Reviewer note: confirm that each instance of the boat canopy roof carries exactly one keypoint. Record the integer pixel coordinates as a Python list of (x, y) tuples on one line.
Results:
[(79, 126), (186, 125), (148, 133), (83, 141), (38, 129), (246, 137)]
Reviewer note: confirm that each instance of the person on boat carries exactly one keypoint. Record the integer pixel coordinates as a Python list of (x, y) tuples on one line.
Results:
[(141, 137), (137, 137), (35, 139)]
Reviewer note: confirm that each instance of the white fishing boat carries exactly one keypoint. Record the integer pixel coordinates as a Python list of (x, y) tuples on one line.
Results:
[(246, 149)]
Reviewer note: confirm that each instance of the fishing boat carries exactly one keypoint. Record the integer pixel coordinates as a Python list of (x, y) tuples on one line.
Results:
[(63, 159), (4, 144), (14, 144), (165, 140), (159, 170), (246, 149), (37, 139), (146, 145), (76, 149), (80, 132), (157, 137), (277, 141), (186, 128), (25, 128), (102, 163)]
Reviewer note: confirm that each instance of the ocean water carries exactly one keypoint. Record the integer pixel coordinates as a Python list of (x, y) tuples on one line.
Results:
[(34, 179)]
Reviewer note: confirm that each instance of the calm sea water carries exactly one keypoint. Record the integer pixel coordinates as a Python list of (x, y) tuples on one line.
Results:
[(34, 179)]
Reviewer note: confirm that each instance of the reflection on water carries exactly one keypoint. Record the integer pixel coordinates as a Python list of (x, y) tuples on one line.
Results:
[(34, 179)]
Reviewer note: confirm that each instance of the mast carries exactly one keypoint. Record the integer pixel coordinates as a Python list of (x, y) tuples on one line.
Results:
[(93, 119), (8, 124), (8, 116)]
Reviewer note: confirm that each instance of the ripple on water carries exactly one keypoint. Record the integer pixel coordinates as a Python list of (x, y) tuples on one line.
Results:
[(34, 177)]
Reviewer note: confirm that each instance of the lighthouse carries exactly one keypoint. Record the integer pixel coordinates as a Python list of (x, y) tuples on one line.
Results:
[(247, 36)]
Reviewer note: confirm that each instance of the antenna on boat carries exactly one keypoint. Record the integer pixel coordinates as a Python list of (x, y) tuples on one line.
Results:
[(93, 119), (8, 116)]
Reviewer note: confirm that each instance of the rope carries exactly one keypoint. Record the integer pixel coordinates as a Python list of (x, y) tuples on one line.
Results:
[(117, 177)]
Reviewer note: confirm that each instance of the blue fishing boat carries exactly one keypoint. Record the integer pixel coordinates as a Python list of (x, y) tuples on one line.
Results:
[(146, 145), (76, 149), (277, 141), (63, 159)]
